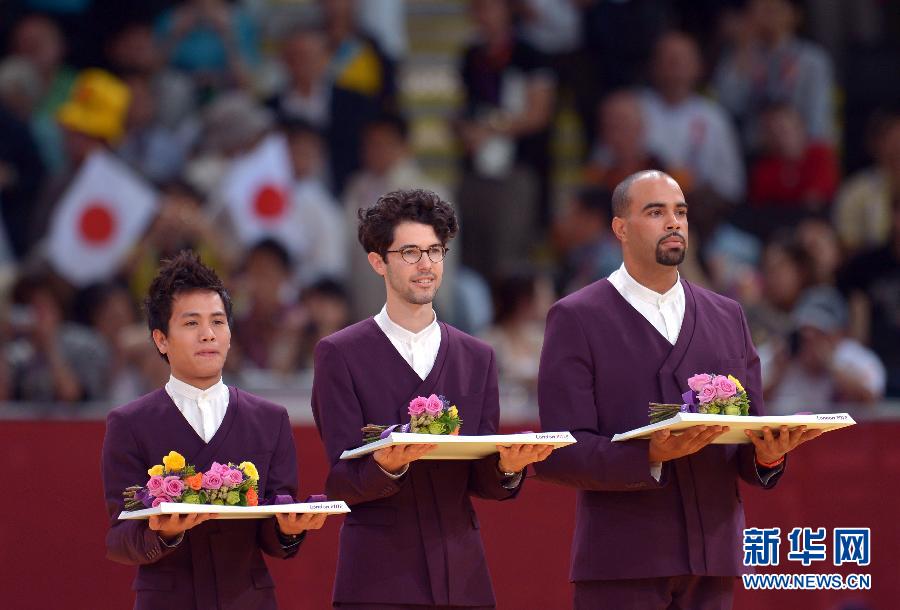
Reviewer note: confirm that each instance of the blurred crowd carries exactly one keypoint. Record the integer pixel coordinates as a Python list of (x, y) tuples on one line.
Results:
[(779, 118)]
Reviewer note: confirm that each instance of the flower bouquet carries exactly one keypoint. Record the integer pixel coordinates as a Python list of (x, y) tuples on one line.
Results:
[(427, 415), (175, 481), (712, 394)]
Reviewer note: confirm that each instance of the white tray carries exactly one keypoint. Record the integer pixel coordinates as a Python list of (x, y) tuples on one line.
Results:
[(237, 512), (462, 447), (737, 424)]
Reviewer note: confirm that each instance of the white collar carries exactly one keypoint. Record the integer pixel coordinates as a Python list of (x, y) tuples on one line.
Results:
[(186, 390), (384, 321), (648, 295)]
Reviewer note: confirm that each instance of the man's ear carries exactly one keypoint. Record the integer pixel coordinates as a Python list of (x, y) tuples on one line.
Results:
[(159, 338), (618, 227), (377, 263)]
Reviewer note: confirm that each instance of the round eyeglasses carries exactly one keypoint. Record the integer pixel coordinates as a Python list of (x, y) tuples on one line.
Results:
[(413, 254)]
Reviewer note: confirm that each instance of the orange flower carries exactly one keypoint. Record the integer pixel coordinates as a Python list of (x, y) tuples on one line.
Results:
[(194, 481), (252, 498)]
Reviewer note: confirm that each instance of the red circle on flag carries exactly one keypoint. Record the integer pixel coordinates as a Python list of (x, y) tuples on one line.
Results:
[(97, 223), (269, 202)]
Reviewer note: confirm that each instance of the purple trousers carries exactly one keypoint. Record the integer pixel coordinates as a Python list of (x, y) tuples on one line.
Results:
[(673, 593)]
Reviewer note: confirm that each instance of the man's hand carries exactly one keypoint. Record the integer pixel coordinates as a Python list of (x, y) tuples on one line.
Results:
[(393, 459), (297, 523), (665, 446), (169, 527), (516, 457), (770, 449)]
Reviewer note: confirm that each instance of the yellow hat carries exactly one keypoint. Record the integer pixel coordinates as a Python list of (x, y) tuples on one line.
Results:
[(96, 106)]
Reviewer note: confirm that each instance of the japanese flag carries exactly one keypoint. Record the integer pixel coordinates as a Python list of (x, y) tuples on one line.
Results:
[(257, 192), (100, 217)]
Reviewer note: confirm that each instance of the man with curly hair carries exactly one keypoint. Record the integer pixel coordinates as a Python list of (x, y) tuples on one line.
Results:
[(412, 540), (196, 561)]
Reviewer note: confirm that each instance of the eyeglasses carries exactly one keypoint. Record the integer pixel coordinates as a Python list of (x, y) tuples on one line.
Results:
[(413, 254)]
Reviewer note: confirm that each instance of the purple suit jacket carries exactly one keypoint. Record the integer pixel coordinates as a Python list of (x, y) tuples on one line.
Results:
[(412, 540), (218, 564), (602, 362)]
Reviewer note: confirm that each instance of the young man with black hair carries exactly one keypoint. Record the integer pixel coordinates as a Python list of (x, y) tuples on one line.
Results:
[(196, 561), (412, 540)]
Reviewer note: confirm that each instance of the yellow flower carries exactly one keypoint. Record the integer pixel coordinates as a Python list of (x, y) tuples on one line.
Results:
[(156, 471), (737, 383), (250, 470), (453, 411), (174, 461)]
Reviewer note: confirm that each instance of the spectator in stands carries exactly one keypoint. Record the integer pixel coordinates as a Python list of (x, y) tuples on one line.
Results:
[(621, 148), (134, 368), (39, 40), (872, 282), (509, 92), (584, 240), (327, 310), (521, 302), (325, 236), (771, 64), (819, 238), (823, 366), (212, 40), (792, 171), (691, 134), (92, 119), (52, 359), (151, 147), (265, 325), (388, 165), (21, 167), (133, 50), (312, 95), (862, 212), (357, 63)]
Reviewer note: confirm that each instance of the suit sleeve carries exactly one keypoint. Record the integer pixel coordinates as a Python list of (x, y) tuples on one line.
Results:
[(752, 473), (280, 480), (567, 397), (339, 418), (485, 478), (131, 542)]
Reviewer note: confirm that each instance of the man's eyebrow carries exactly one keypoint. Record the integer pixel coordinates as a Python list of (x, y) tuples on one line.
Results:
[(196, 314), (659, 204)]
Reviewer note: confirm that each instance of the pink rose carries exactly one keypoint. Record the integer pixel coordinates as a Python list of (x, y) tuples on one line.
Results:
[(173, 485), (219, 469), (417, 405), (234, 477), (697, 382), (725, 388), (159, 500), (211, 480), (707, 394), (156, 486), (434, 405)]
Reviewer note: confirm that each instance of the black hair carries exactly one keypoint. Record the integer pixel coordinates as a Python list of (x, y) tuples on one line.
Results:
[(183, 273), (377, 222), (389, 120), (275, 248)]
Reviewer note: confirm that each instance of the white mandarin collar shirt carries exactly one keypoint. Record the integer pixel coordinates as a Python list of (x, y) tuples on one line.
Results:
[(418, 349), (204, 410), (664, 311)]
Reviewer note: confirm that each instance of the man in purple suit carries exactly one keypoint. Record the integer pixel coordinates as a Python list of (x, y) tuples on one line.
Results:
[(412, 539), (659, 522), (195, 561)]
